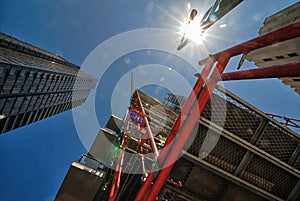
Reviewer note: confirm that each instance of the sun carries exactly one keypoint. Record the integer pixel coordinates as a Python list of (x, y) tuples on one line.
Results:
[(192, 30)]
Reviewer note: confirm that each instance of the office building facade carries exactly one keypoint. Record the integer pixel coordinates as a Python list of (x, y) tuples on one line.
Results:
[(287, 52), (36, 84)]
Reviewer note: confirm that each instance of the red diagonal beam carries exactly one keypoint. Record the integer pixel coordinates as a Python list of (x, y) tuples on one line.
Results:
[(279, 35), (286, 33), (185, 131), (288, 70), (144, 189), (185, 110)]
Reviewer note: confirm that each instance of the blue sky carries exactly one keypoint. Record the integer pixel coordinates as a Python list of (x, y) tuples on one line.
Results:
[(35, 158)]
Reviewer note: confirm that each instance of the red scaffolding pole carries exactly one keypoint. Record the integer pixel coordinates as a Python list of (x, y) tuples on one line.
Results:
[(186, 128), (288, 70), (201, 94), (285, 33), (185, 110), (139, 123)]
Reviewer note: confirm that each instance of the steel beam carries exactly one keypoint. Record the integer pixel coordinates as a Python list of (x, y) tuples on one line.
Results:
[(295, 156), (295, 192), (248, 156), (250, 147), (259, 131), (285, 33), (288, 70), (232, 178), (186, 109), (186, 129), (288, 32), (257, 111)]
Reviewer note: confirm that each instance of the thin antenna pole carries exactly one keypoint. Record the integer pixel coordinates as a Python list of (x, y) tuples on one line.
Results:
[(131, 83)]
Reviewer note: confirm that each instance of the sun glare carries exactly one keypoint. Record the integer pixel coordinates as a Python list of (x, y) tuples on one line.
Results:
[(192, 30)]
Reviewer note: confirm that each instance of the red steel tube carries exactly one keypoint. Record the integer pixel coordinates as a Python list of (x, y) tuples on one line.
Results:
[(161, 178), (143, 138), (186, 108), (288, 32), (288, 70), (196, 90), (116, 181), (145, 187), (117, 176), (185, 132), (151, 138)]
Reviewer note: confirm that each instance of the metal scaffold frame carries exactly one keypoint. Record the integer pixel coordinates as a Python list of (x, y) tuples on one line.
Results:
[(211, 74), (136, 126)]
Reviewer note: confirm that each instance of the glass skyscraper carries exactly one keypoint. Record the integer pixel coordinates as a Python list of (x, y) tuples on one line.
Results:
[(35, 84)]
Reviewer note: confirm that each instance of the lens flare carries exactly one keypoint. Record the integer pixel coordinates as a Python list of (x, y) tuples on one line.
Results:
[(192, 30), (213, 17), (223, 25)]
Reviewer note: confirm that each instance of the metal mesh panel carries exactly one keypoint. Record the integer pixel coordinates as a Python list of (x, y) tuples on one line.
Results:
[(236, 193), (240, 122), (298, 164), (198, 141), (201, 183), (175, 101), (167, 195), (239, 119), (226, 155), (196, 181), (269, 177), (215, 110), (181, 171), (205, 184), (243, 122), (161, 116), (278, 143)]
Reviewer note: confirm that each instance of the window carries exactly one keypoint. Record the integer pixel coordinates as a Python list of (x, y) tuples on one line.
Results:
[(31, 74), (292, 54), (279, 57), (268, 59), (12, 71)]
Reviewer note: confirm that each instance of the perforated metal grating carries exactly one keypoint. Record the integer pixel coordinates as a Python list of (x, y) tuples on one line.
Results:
[(251, 160), (248, 124), (269, 177), (278, 143)]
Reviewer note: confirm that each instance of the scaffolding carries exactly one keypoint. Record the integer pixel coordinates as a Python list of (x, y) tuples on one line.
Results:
[(255, 158)]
